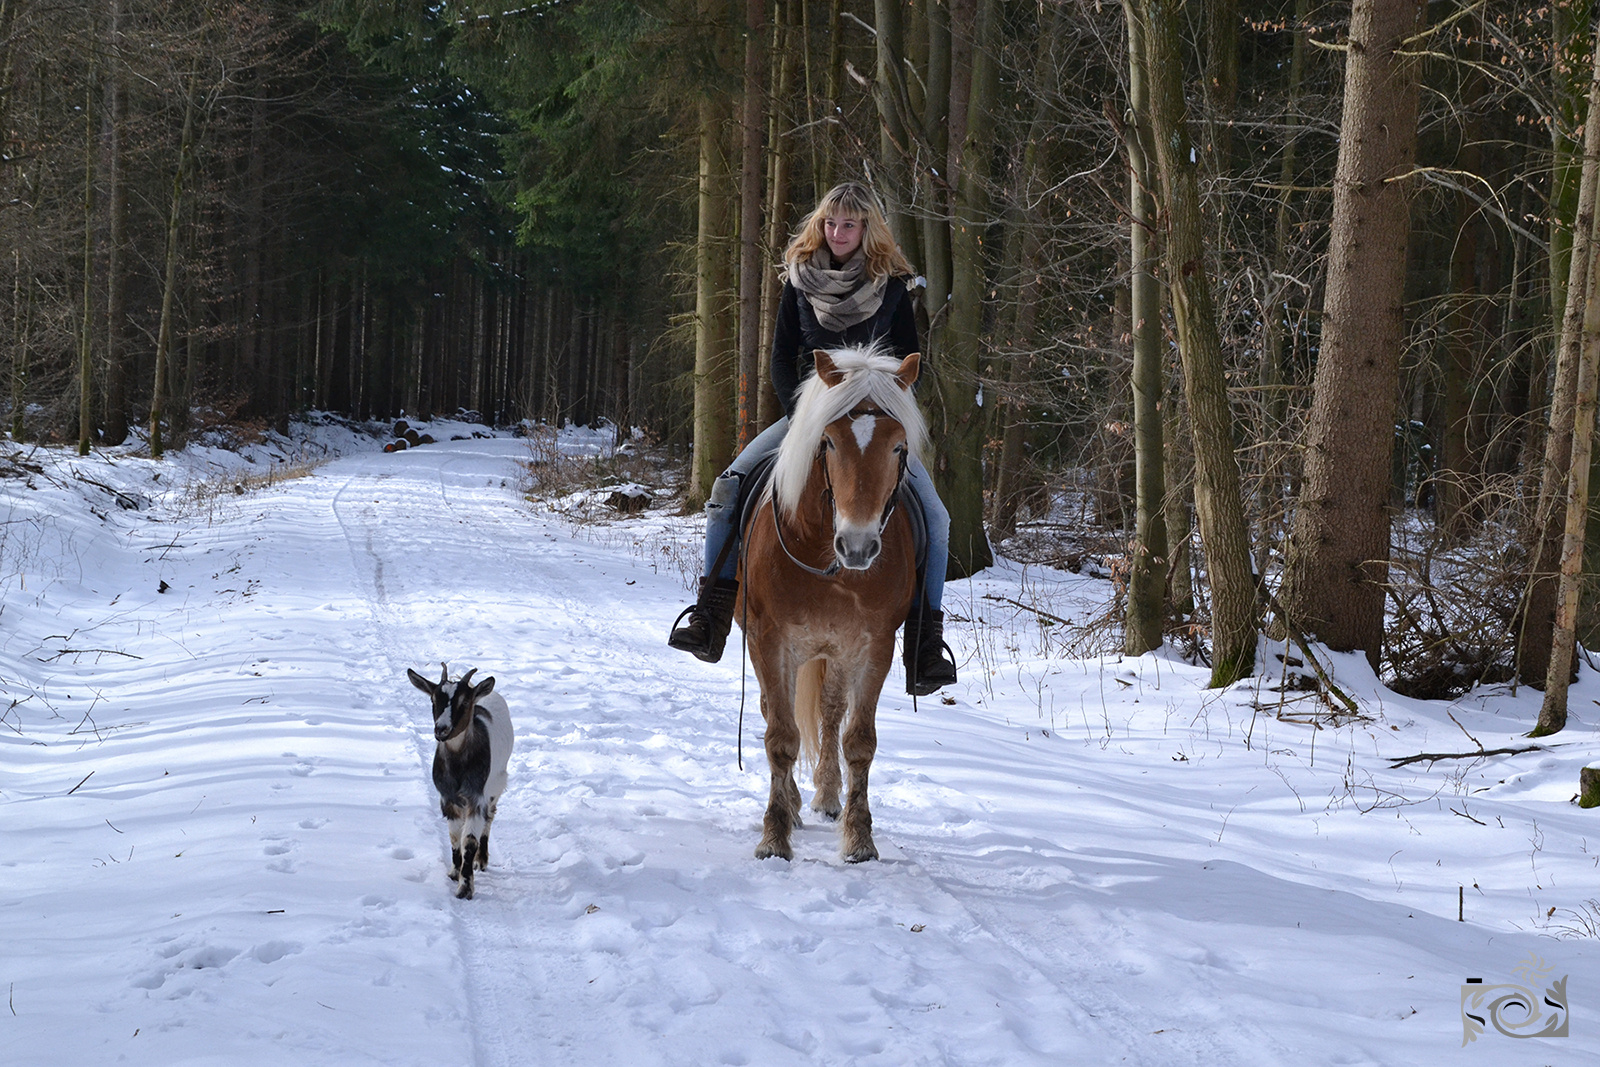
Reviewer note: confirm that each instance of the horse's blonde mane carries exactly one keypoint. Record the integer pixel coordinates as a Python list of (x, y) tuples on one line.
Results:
[(869, 375)]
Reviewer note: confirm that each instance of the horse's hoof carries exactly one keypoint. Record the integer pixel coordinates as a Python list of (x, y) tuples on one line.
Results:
[(828, 811), (455, 874), (866, 852), (465, 891), (768, 849)]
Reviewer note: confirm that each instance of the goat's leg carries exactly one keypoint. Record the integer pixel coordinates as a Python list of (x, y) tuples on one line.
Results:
[(473, 832), (469, 857), (483, 840), (455, 847)]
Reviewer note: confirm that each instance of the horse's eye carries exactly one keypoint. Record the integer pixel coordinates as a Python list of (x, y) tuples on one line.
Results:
[(827, 444)]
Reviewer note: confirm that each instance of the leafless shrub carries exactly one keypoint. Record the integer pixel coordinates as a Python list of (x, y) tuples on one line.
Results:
[(1452, 609), (1582, 921), (597, 482), (202, 496)]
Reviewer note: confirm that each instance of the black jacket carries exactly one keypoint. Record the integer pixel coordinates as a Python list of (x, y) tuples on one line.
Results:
[(798, 334)]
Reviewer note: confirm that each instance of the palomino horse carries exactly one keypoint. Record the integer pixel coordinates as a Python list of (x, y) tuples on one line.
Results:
[(828, 574)]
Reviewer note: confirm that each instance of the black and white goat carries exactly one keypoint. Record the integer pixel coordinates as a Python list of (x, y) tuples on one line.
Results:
[(473, 727)]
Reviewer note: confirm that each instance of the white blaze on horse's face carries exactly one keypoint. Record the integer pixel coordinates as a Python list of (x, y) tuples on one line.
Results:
[(862, 427), (868, 446)]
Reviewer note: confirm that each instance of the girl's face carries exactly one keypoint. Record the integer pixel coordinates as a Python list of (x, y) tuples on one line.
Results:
[(843, 235)]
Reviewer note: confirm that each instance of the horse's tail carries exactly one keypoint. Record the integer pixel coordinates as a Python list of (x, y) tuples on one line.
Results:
[(808, 708)]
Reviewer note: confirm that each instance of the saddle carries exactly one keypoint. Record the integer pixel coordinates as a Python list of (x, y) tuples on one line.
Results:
[(751, 488)]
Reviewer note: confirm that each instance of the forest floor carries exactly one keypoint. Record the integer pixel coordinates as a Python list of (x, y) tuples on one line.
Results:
[(219, 843)]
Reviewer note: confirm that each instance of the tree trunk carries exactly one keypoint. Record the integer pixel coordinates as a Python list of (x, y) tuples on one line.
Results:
[(752, 163), (1455, 475), (170, 285), (1271, 493), (893, 181), (1218, 502), (958, 469), (250, 373), (85, 343), (1553, 711), (1568, 21), (714, 358), (1147, 577), (1536, 629), (114, 419), (1339, 548), (769, 408), (1221, 82), (1027, 266), (22, 337)]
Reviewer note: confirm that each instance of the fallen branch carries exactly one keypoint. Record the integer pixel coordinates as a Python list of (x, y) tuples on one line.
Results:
[(1435, 757), (1058, 620), (124, 500), (89, 652), (1323, 676)]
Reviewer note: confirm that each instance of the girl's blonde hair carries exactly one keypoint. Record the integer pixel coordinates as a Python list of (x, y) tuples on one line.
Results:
[(851, 200)]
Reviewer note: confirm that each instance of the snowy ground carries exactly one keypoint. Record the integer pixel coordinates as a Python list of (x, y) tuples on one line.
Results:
[(218, 842)]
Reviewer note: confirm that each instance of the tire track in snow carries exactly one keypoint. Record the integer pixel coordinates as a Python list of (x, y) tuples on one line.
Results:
[(401, 543)]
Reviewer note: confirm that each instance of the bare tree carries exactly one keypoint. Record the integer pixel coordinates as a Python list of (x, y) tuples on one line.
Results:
[(1339, 547)]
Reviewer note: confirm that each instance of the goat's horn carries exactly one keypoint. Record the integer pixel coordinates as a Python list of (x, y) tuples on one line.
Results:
[(444, 672), (466, 679)]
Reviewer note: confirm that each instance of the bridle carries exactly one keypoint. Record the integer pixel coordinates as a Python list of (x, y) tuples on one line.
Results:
[(827, 476)]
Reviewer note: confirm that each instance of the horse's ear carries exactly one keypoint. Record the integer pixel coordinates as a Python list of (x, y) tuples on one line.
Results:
[(910, 370), (830, 374)]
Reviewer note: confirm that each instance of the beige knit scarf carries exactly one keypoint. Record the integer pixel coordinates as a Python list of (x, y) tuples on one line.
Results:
[(840, 297)]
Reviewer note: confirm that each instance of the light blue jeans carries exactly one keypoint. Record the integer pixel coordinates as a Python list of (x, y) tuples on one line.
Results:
[(722, 521)]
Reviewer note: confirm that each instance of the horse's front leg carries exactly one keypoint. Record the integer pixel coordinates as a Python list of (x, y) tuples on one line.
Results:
[(860, 744), (826, 775), (783, 797)]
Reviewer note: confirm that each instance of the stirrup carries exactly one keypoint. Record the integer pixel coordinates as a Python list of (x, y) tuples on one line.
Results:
[(710, 617)]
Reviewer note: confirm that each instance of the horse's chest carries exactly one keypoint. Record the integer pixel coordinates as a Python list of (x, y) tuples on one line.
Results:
[(841, 636)]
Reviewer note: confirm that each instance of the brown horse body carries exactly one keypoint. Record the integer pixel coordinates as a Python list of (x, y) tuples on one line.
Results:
[(827, 578)]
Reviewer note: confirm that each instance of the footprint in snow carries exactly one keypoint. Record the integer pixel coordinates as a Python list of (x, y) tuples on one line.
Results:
[(273, 951), (205, 958)]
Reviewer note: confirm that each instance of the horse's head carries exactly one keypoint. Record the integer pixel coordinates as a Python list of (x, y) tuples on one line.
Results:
[(863, 454)]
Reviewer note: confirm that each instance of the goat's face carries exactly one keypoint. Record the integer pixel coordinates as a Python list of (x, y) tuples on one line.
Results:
[(453, 702)]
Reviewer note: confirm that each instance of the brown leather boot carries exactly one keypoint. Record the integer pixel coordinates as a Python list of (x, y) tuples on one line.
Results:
[(930, 665), (710, 618)]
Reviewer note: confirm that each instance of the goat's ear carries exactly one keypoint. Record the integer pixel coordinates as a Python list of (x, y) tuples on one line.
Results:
[(421, 683), (483, 688), (910, 370), (826, 370)]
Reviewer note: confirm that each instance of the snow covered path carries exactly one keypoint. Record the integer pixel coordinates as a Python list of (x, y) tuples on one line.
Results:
[(218, 843)]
